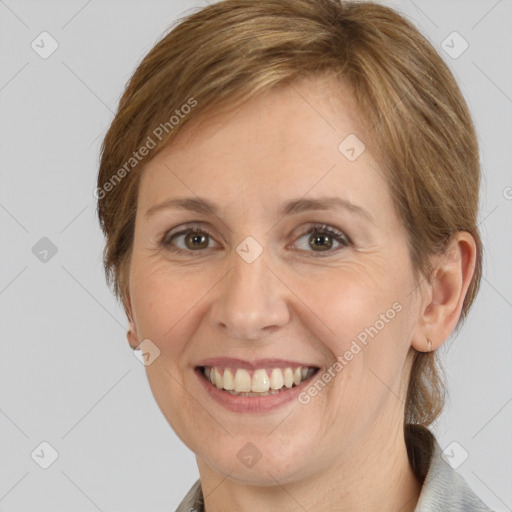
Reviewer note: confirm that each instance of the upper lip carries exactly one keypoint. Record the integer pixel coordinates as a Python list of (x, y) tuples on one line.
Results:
[(230, 362)]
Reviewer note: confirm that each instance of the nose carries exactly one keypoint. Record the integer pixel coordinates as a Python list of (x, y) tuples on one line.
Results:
[(251, 301)]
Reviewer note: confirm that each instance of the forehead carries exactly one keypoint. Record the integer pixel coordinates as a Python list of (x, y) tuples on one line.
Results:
[(307, 112), (288, 142)]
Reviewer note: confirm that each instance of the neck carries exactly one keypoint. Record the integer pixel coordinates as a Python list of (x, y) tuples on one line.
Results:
[(373, 476)]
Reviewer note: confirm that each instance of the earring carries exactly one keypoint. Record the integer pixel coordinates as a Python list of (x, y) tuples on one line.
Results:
[(429, 341)]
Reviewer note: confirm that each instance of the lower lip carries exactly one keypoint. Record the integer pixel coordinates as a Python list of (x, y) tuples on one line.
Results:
[(251, 404)]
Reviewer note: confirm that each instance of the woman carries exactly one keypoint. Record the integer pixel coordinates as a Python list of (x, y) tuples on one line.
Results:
[(289, 194)]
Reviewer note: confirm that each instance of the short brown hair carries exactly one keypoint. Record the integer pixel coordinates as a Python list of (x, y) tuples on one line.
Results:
[(413, 110)]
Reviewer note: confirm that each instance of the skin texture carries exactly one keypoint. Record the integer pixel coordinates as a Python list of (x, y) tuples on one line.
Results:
[(345, 449)]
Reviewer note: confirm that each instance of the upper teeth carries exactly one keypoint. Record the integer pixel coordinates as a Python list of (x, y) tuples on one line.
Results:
[(240, 380)]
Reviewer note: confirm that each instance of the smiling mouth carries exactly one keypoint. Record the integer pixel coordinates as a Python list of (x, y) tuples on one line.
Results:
[(258, 382)]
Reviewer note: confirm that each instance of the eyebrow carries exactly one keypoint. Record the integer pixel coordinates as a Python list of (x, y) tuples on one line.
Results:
[(292, 207)]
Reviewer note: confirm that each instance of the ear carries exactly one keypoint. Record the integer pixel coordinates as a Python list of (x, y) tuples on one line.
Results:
[(132, 335), (443, 297)]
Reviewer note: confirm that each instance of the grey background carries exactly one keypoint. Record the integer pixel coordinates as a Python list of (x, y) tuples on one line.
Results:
[(67, 374)]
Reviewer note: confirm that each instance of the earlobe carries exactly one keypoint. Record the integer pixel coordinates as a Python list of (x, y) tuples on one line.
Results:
[(442, 305), (132, 335)]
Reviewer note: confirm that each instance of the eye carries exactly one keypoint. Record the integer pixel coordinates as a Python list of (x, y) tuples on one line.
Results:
[(322, 237), (194, 239)]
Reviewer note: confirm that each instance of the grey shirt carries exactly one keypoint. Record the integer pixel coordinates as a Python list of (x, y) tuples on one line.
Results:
[(443, 490)]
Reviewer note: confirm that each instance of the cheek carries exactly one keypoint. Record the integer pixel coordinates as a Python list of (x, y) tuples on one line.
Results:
[(365, 312), (351, 298), (174, 401), (163, 301), (337, 304)]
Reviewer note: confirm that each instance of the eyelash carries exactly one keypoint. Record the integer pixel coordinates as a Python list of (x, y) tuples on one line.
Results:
[(322, 229)]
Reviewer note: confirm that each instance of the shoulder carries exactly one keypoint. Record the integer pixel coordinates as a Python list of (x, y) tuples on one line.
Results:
[(193, 501), (444, 488)]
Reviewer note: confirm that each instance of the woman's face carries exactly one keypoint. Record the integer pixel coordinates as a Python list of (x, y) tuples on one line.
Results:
[(259, 290)]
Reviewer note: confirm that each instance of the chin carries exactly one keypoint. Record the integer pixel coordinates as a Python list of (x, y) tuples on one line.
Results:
[(262, 461)]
